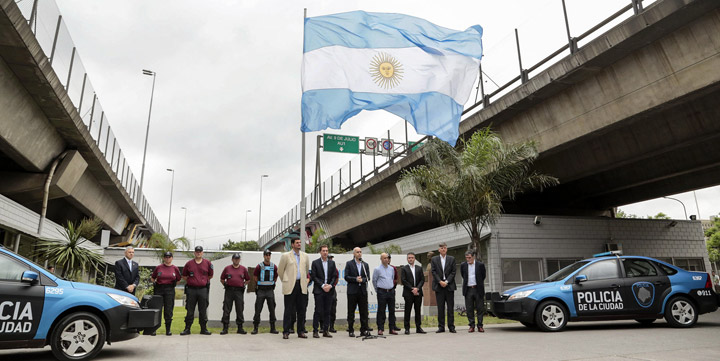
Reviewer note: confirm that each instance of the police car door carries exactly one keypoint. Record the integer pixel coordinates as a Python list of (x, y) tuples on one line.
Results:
[(599, 295), (21, 303), (644, 288)]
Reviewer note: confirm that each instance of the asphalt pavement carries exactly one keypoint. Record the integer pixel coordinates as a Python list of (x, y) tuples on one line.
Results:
[(599, 341)]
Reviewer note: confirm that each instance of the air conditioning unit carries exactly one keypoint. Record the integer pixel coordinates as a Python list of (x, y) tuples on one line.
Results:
[(610, 247)]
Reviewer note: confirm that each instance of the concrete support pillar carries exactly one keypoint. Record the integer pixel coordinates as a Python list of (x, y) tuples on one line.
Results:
[(16, 247)]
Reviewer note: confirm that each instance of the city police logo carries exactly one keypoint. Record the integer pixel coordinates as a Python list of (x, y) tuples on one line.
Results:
[(386, 71), (644, 293)]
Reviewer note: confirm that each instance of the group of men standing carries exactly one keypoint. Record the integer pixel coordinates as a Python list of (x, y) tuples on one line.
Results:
[(297, 273)]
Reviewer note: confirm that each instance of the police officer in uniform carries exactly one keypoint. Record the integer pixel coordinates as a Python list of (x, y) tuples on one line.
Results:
[(165, 277), (234, 277), (197, 272), (265, 276)]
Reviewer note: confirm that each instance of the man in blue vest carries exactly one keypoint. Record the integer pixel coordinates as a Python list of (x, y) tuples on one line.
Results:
[(265, 276)]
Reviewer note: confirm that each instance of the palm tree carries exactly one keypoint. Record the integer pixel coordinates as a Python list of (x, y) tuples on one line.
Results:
[(163, 244), (71, 253), (467, 187)]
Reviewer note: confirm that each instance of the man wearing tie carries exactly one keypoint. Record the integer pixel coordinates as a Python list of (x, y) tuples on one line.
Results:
[(324, 274), (473, 288), (443, 271), (127, 272), (293, 269), (413, 280), (356, 276)]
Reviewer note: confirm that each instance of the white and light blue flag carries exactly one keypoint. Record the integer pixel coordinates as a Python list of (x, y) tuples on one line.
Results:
[(408, 66)]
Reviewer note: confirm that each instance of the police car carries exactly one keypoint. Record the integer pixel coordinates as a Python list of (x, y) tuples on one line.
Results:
[(75, 319), (610, 287)]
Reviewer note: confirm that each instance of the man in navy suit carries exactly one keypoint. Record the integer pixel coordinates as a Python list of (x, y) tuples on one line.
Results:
[(356, 276), (324, 276), (443, 283), (127, 272), (473, 288)]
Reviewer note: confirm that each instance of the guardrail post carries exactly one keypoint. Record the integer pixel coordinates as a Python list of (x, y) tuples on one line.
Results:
[(82, 95), (72, 60), (571, 41), (637, 6), (57, 30), (523, 72)]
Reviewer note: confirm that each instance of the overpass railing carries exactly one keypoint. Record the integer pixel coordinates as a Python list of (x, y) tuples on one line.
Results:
[(495, 61), (47, 24)]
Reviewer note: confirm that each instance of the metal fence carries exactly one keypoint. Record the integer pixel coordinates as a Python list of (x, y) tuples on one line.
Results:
[(47, 24), (364, 167)]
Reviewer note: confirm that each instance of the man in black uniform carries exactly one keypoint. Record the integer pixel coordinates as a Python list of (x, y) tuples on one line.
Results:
[(197, 272), (265, 276)]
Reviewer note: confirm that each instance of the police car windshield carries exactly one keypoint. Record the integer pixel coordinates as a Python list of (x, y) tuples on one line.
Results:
[(561, 274)]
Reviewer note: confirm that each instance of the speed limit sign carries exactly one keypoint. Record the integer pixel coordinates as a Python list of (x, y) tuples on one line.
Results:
[(371, 145)]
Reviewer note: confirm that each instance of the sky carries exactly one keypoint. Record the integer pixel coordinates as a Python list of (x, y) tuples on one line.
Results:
[(226, 106)]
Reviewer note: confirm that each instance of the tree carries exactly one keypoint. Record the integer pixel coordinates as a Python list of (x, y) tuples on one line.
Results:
[(660, 215), (712, 235), (467, 187), (240, 246), (619, 213), (163, 244), (389, 249), (71, 254), (316, 242)]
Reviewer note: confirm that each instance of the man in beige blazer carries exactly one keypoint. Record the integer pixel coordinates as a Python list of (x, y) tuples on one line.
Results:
[(293, 272)]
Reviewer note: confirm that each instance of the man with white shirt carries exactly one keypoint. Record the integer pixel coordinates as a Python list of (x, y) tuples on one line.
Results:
[(473, 274), (383, 280), (127, 272), (413, 280), (443, 283), (324, 277)]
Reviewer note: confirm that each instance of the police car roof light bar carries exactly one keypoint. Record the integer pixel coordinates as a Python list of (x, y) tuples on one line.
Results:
[(616, 253)]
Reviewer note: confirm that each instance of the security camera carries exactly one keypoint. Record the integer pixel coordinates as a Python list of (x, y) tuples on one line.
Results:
[(537, 220)]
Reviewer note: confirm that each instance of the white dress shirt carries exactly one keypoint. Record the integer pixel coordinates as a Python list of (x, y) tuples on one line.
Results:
[(442, 263), (471, 275)]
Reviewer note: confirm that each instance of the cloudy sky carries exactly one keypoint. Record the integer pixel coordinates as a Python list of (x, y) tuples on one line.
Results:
[(227, 98)]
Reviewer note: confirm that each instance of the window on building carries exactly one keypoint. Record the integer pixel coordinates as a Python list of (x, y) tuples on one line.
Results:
[(690, 264), (554, 265), (521, 271)]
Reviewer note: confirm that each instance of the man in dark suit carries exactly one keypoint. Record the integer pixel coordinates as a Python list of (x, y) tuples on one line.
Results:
[(413, 280), (127, 272), (324, 275), (473, 288), (356, 276), (443, 271)]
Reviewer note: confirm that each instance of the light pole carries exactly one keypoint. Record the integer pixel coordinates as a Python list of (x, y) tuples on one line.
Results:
[(172, 184), (260, 207), (147, 132), (683, 204), (246, 214), (184, 220), (195, 237)]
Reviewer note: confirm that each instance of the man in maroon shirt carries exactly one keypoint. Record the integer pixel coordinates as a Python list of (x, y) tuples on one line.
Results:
[(165, 277), (234, 277), (197, 272)]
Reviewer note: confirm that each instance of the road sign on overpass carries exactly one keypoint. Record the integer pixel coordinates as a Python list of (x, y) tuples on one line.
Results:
[(341, 143)]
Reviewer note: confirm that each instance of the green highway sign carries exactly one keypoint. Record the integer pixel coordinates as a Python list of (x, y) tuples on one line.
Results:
[(415, 146), (341, 143)]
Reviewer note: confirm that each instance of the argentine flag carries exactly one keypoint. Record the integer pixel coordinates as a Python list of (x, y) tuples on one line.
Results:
[(408, 66)]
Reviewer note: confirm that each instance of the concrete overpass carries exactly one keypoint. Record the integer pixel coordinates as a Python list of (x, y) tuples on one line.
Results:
[(47, 149), (628, 117)]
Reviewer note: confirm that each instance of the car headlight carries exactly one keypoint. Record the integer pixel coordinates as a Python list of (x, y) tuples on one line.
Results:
[(123, 300), (521, 294)]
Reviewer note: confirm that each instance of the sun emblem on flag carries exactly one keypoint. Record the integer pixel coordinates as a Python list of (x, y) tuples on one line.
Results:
[(386, 71)]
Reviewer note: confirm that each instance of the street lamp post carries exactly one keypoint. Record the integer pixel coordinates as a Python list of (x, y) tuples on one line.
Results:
[(246, 215), (172, 184), (683, 204), (195, 237), (147, 132), (184, 220), (260, 207)]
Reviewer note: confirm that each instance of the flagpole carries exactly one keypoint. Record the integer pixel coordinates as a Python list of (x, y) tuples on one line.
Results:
[(303, 235)]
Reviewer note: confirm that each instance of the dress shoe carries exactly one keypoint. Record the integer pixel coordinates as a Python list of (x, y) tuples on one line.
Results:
[(480, 329), (241, 331), (471, 329), (316, 334), (420, 330), (452, 330), (407, 332), (440, 330), (273, 330), (395, 328), (332, 330), (168, 333), (352, 334), (380, 332), (205, 332), (185, 332), (327, 334), (302, 335), (151, 333), (364, 333), (285, 336), (393, 332)]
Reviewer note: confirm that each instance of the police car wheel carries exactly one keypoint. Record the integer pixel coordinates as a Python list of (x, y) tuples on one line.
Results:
[(681, 312), (78, 336), (551, 316)]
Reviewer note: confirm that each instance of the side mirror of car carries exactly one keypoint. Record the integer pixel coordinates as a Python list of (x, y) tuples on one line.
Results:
[(30, 277), (580, 278)]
